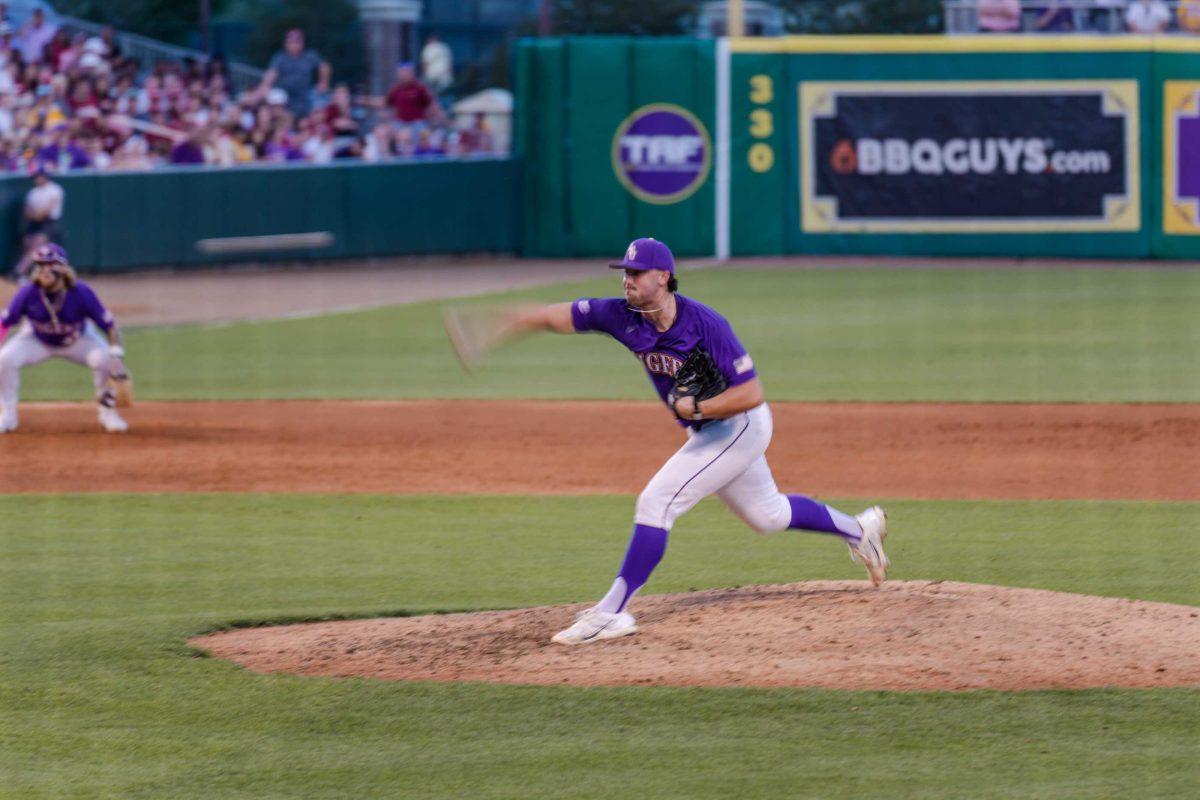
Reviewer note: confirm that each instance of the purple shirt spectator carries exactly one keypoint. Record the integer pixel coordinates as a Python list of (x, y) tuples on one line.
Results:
[(69, 156), (282, 151), (1053, 18), (187, 152)]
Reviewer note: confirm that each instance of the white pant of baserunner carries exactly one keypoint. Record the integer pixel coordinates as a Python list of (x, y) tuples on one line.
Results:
[(24, 349), (726, 458)]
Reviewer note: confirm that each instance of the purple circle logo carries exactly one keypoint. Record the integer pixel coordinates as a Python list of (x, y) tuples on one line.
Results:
[(661, 153)]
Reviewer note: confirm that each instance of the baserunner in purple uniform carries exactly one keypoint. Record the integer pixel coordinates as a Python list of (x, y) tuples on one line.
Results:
[(727, 434), (57, 305)]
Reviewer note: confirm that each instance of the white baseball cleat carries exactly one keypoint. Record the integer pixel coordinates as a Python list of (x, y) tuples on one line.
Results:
[(594, 625), (8, 425), (111, 421), (869, 550)]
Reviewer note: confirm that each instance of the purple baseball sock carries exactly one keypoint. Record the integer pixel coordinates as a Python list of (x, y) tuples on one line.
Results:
[(810, 515), (646, 549)]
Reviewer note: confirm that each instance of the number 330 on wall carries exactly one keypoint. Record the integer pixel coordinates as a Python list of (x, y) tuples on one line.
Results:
[(762, 123)]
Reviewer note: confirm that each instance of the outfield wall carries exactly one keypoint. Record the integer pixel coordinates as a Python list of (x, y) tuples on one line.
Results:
[(190, 216), (1006, 145)]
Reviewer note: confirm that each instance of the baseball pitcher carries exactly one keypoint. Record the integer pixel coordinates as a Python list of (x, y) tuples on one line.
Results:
[(57, 305), (708, 380)]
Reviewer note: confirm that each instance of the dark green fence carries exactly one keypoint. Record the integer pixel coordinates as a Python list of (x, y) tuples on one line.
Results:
[(884, 144), (168, 217), (572, 95)]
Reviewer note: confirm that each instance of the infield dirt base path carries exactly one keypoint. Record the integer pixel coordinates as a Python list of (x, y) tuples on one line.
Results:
[(829, 634), (908, 635), (933, 451)]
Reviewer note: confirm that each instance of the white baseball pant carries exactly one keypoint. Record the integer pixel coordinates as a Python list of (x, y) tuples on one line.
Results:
[(727, 458), (24, 349)]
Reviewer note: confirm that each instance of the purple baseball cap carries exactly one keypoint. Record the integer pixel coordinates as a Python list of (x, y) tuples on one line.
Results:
[(50, 254), (646, 254)]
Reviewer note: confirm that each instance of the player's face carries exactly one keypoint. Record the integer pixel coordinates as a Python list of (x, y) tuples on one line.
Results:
[(644, 287), (45, 276)]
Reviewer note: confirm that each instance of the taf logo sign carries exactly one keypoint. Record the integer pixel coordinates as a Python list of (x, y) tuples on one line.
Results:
[(661, 153)]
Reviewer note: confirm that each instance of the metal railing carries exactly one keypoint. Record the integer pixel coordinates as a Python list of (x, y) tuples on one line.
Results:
[(147, 51), (1088, 16)]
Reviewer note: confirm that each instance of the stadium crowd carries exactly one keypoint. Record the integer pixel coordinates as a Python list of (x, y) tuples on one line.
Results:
[(1095, 16), (73, 101)]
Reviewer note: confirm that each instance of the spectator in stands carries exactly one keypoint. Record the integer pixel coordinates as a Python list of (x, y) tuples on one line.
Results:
[(1188, 16), (437, 64), (5, 18), (95, 48), (378, 146), (8, 49), (281, 147), (53, 50), (63, 151), (82, 95), (133, 153), (430, 142), (1053, 18), (478, 137), (339, 114), (80, 105), (231, 147), (108, 38), (292, 69), (35, 34), (1147, 17), (410, 100), (1105, 16), (190, 149), (319, 147), (999, 16), (404, 143), (8, 115), (148, 97), (48, 113), (41, 215), (94, 147)]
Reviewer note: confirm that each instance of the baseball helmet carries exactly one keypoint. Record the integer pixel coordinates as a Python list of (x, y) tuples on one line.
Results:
[(50, 254)]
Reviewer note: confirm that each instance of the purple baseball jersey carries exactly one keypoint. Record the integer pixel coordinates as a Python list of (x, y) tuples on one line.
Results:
[(57, 320), (663, 353)]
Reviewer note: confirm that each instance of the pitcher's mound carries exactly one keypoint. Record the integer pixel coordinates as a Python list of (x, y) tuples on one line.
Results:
[(831, 634)]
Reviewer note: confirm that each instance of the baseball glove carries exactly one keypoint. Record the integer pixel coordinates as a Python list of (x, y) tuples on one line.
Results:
[(697, 377)]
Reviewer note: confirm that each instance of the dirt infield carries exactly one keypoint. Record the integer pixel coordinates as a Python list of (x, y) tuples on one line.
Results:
[(831, 634), (936, 451), (908, 635)]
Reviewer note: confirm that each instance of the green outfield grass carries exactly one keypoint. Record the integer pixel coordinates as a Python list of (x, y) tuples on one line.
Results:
[(987, 335), (100, 697)]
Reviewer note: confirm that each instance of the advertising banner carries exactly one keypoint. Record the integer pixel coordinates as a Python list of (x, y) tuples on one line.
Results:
[(969, 156), (661, 153), (1181, 157)]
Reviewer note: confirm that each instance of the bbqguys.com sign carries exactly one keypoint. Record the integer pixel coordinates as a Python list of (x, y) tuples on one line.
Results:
[(965, 157), (661, 153), (983, 156)]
